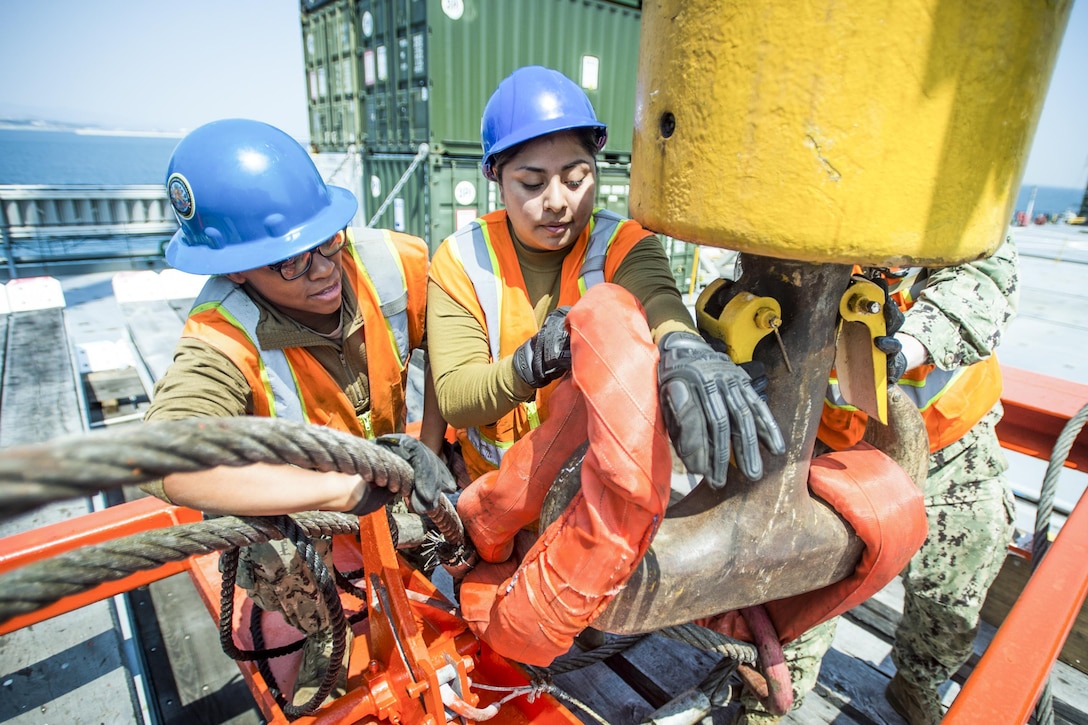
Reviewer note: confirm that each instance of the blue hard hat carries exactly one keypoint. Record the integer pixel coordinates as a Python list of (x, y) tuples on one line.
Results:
[(246, 194), (533, 101)]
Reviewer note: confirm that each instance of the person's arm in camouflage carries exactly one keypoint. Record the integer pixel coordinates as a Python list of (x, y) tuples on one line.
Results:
[(964, 310)]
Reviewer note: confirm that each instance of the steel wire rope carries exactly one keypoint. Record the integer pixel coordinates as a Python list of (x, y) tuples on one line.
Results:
[(703, 638), (32, 475), (1040, 543), (39, 584), (734, 652), (79, 465), (570, 663), (717, 682), (542, 682), (67, 467)]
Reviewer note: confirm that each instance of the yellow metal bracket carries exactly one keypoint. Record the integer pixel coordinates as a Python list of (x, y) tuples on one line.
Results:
[(745, 320), (861, 368)]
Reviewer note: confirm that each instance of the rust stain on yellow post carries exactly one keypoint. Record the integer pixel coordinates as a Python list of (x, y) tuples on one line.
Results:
[(862, 132)]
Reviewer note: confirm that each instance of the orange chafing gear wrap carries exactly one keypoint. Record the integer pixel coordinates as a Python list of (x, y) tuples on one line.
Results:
[(532, 610), (886, 510)]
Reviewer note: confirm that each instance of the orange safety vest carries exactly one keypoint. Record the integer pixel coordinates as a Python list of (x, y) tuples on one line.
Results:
[(478, 267), (951, 401), (388, 273)]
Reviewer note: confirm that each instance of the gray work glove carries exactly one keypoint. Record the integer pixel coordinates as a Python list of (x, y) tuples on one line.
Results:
[(431, 478), (708, 401), (545, 356), (887, 344)]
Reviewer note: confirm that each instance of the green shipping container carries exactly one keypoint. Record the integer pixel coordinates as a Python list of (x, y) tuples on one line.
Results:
[(425, 68), (435, 197), (337, 109), (443, 193)]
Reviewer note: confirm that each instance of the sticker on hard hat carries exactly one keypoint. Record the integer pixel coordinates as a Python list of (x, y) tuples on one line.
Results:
[(181, 195)]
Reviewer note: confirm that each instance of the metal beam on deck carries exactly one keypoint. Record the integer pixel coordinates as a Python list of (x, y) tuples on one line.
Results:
[(1037, 407)]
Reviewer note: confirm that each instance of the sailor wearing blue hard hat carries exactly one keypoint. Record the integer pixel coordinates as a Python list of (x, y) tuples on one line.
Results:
[(540, 137), (503, 290), (300, 321)]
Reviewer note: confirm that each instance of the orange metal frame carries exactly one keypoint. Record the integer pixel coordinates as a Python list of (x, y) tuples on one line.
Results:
[(1010, 676), (1008, 680), (94, 528), (1037, 407), (411, 647)]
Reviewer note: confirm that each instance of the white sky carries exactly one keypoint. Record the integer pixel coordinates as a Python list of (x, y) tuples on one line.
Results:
[(153, 65), (168, 66)]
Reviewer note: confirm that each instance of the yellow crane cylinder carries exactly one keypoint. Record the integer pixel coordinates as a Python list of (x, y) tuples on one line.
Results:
[(865, 132)]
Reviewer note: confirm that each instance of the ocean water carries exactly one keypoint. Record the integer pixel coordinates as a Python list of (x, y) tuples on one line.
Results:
[(67, 157), (1049, 199)]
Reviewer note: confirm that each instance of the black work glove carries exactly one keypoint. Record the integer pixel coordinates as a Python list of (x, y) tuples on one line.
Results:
[(374, 498), (545, 356), (708, 402), (897, 361), (887, 344), (455, 461), (431, 477), (757, 371)]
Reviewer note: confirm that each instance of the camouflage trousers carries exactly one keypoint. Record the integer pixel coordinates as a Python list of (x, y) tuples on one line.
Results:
[(278, 580), (969, 507), (969, 510)]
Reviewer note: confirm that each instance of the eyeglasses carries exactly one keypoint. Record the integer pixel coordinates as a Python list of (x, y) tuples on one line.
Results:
[(298, 265)]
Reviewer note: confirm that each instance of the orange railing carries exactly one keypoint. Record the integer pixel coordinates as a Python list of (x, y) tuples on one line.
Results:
[(1011, 675), (1007, 682), (46, 542), (1036, 409)]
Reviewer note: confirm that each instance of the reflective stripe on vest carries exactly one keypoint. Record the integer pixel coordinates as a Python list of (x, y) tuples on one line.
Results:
[(473, 249), (951, 401), (380, 267), (906, 287), (604, 225), (922, 392), (383, 271), (925, 392), (492, 450), (833, 396), (472, 246), (924, 385), (284, 398)]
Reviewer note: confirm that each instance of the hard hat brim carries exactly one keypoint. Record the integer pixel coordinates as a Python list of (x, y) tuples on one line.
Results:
[(198, 257), (541, 128)]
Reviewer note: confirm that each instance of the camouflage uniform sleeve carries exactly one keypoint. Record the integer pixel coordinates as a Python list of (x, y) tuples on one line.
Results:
[(964, 310)]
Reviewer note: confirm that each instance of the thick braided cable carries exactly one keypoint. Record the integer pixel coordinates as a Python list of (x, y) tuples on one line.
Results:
[(80, 465), (1048, 492), (703, 638), (715, 685), (37, 585), (1044, 708)]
